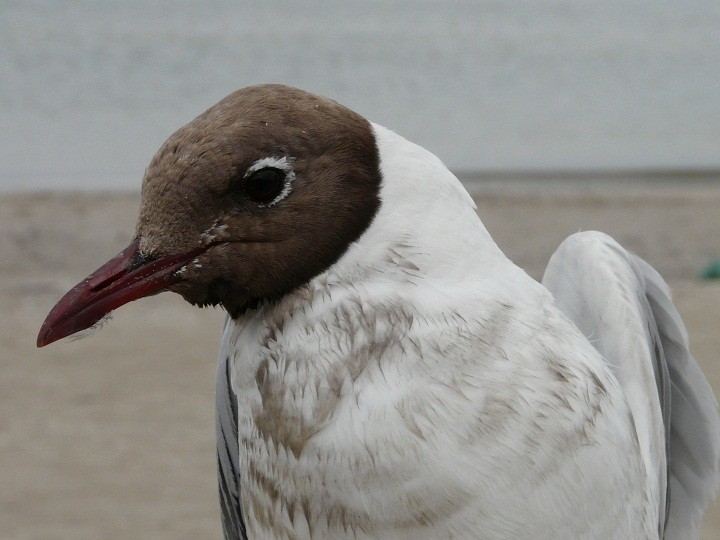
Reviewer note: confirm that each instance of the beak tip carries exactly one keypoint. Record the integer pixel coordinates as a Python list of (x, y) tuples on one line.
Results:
[(43, 337)]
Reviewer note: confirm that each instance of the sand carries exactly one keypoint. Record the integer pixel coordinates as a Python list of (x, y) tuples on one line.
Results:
[(112, 436)]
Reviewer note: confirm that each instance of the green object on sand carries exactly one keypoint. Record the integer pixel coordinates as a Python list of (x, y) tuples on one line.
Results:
[(712, 270)]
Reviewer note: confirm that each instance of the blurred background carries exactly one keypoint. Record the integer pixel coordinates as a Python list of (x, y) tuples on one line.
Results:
[(558, 115), (91, 88)]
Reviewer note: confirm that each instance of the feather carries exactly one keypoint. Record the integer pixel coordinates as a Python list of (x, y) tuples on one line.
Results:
[(693, 430), (615, 297), (227, 453)]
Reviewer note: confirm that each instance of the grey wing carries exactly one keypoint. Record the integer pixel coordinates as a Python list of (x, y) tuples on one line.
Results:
[(226, 432), (623, 307), (694, 427)]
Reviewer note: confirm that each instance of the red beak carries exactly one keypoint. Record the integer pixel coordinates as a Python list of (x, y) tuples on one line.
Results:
[(124, 278)]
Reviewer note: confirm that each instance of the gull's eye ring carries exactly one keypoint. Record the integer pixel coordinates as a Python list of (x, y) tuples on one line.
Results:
[(268, 180)]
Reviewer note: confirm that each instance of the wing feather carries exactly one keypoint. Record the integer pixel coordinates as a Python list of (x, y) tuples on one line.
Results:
[(624, 308), (694, 427), (226, 430)]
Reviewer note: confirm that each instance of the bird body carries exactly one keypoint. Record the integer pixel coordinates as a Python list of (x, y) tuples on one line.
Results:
[(385, 371), (424, 386)]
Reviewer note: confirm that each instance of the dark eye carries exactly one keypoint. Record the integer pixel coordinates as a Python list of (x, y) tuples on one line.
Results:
[(265, 185)]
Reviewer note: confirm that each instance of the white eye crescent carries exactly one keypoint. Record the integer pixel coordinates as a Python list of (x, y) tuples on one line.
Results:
[(264, 185)]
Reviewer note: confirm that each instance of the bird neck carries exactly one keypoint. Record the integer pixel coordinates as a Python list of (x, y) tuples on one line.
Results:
[(426, 219)]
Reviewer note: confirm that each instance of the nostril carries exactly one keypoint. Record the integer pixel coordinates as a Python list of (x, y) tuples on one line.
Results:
[(104, 283), (140, 259)]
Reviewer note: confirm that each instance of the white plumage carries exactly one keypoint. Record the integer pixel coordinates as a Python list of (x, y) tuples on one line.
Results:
[(426, 387)]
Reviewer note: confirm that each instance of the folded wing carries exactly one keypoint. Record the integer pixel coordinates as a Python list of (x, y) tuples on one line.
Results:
[(226, 431), (623, 307)]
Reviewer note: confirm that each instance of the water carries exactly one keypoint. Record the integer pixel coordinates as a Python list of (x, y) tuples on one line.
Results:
[(89, 90)]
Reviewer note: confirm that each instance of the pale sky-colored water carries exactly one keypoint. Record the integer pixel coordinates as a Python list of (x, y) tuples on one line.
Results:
[(89, 90)]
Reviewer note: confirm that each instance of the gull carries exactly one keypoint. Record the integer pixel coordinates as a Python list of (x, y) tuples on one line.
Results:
[(384, 369)]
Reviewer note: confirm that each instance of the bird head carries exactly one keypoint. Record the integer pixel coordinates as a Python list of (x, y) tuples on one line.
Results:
[(253, 198)]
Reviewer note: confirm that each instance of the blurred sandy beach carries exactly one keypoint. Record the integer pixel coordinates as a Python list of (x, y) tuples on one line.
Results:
[(112, 436)]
